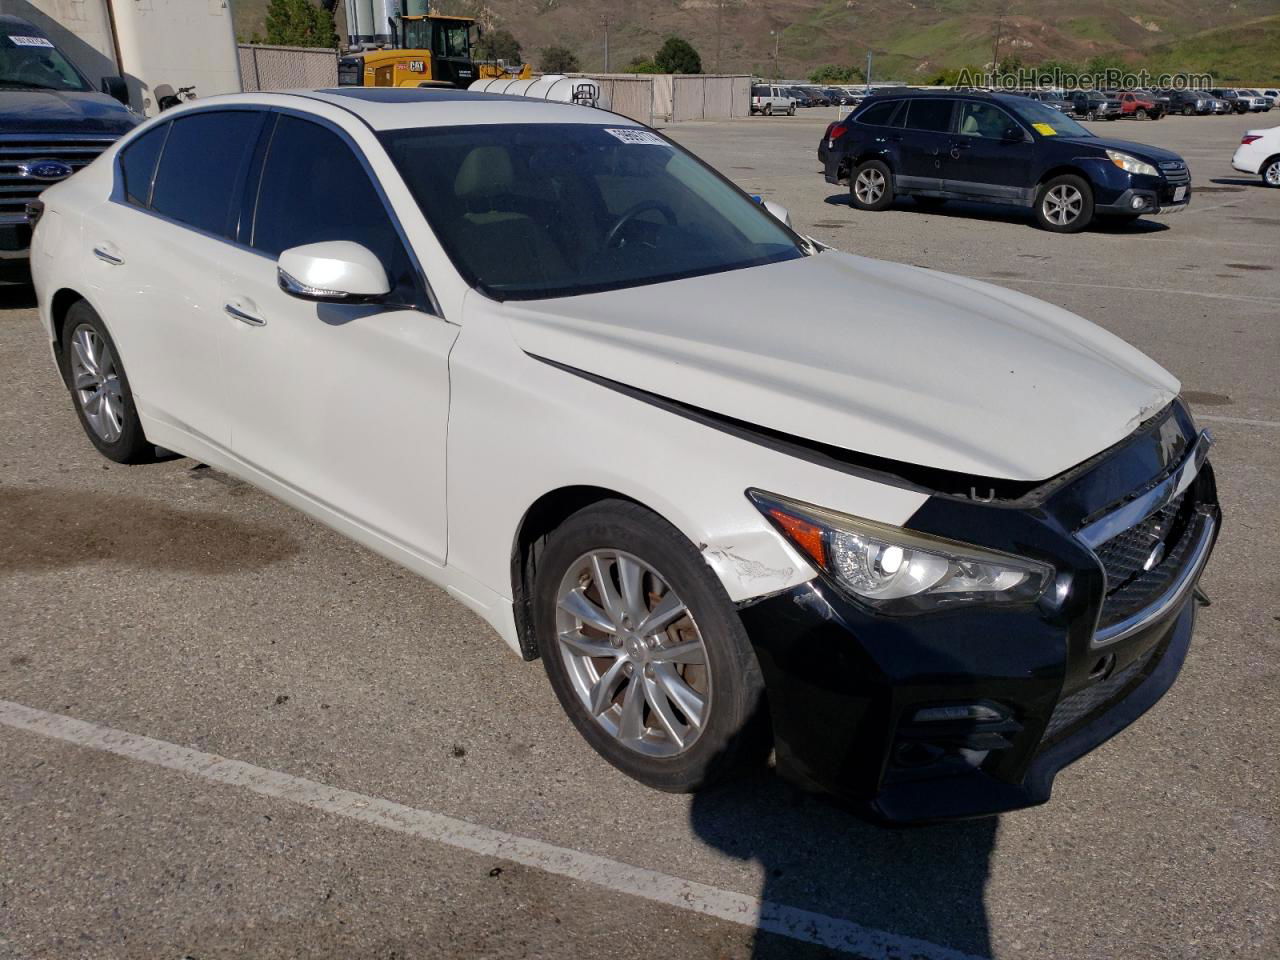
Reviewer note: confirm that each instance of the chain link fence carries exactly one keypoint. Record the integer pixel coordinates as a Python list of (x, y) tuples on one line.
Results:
[(265, 67)]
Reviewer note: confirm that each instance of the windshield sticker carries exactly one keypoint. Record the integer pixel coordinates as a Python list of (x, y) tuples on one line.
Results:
[(30, 42), (1045, 130), (632, 135)]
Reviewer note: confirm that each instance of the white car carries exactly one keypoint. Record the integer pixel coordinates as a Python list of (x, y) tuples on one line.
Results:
[(928, 538), (769, 98), (1259, 152)]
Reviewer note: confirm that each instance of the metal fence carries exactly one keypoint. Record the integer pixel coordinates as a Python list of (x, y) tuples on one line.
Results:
[(672, 98), (287, 68)]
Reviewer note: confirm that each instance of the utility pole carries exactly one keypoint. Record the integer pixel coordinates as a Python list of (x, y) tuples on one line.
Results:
[(605, 21), (719, 28), (777, 37), (868, 71)]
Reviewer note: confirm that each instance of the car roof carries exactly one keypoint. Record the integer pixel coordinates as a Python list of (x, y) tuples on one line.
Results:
[(398, 108)]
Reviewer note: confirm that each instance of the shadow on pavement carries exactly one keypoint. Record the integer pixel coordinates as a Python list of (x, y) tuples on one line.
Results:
[(925, 883), (47, 528), (993, 213)]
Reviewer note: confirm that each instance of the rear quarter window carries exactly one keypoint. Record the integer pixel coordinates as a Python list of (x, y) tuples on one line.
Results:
[(138, 165)]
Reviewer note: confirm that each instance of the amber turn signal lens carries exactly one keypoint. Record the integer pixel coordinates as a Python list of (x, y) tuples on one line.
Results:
[(805, 535)]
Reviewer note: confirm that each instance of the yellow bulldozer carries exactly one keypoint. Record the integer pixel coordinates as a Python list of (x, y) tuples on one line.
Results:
[(426, 50)]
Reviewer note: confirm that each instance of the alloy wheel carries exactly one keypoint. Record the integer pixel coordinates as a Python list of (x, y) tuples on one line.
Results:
[(634, 655), (1272, 174), (1062, 204), (869, 186), (96, 383)]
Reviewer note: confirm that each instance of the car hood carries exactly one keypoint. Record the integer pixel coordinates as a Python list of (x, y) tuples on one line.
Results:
[(1143, 151), (63, 111), (879, 358)]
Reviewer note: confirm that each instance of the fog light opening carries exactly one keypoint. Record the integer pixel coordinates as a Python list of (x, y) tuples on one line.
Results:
[(1103, 667), (1138, 202)]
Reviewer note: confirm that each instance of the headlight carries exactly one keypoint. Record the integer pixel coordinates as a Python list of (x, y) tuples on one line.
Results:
[(898, 570), (1132, 164)]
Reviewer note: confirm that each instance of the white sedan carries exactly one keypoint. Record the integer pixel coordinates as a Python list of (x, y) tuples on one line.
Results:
[(1259, 152), (929, 539)]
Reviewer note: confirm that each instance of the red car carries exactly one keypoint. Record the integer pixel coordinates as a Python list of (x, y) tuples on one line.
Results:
[(1137, 106)]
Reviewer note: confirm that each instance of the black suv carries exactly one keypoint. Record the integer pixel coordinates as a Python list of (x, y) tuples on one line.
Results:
[(1189, 102), (997, 148), (52, 123), (1092, 105)]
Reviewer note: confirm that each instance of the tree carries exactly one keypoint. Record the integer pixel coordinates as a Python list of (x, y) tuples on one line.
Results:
[(299, 23), (498, 45), (834, 74), (643, 65), (558, 60), (678, 56)]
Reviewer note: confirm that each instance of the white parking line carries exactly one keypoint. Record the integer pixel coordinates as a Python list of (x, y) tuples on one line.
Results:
[(793, 922), (1114, 286)]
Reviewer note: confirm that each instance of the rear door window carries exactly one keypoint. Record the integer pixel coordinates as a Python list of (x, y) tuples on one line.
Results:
[(930, 114), (138, 165), (202, 166), (878, 114)]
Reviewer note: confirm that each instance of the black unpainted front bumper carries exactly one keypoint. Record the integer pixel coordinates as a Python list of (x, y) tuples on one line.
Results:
[(846, 685)]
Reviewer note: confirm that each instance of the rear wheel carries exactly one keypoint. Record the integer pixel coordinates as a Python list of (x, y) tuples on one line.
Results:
[(871, 186), (1188, 111), (1271, 172), (768, 109), (1142, 114), (644, 649), (100, 388), (1064, 204), (1091, 115)]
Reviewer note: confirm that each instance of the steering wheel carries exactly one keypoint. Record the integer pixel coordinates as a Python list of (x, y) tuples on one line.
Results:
[(35, 72), (630, 214)]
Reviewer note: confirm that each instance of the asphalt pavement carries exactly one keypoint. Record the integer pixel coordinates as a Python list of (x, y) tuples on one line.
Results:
[(226, 731)]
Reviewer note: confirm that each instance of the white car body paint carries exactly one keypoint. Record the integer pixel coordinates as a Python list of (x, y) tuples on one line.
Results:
[(1249, 157), (460, 428)]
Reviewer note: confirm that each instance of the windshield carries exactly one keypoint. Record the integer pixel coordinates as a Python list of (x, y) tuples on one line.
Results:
[(32, 62), (527, 211), (1039, 115)]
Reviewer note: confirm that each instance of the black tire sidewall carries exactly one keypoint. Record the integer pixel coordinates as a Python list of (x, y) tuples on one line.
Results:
[(1086, 212), (132, 445), (733, 729), (886, 198)]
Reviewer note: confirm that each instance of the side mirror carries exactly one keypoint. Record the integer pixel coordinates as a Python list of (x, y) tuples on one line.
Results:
[(779, 211), (336, 271), (116, 88), (1013, 135)]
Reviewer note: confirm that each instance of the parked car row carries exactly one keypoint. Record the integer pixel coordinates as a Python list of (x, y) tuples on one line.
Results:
[(782, 98), (1154, 104), (997, 148)]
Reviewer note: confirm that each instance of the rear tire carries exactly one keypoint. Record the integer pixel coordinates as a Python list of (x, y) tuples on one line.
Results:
[(1271, 172), (871, 186), (1064, 204), (678, 708), (1142, 114), (768, 109), (100, 389)]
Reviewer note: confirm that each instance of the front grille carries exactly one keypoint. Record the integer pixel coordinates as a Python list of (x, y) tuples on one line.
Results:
[(15, 189), (1130, 587), (1071, 710), (1176, 172)]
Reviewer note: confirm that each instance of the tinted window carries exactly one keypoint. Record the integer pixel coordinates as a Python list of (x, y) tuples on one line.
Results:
[(315, 189), (986, 120), (759, 91), (555, 209), (201, 166), (878, 114), (138, 163), (929, 114)]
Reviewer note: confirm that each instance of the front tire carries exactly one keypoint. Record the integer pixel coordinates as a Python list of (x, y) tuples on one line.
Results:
[(1064, 204), (100, 388), (871, 186), (644, 649), (1142, 114)]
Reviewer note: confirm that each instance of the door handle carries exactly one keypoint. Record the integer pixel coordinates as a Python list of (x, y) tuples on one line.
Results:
[(107, 253), (247, 318), (961, 145)]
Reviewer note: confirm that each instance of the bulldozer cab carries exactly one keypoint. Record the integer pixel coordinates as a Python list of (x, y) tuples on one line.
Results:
[(447, 40)]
